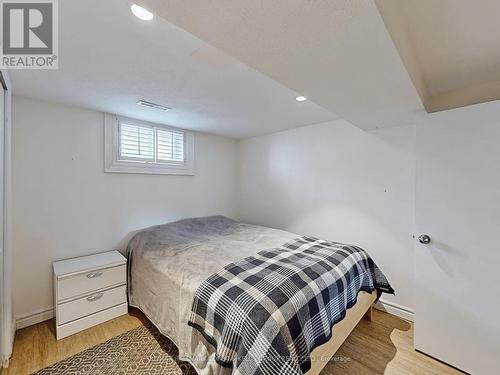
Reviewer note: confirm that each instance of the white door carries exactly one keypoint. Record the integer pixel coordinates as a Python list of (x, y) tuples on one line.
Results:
[(457, 311)]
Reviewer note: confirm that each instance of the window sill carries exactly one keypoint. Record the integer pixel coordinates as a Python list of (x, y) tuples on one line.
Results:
[(146, 169)]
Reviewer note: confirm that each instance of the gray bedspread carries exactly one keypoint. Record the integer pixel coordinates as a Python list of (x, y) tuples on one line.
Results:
[(167, 263)]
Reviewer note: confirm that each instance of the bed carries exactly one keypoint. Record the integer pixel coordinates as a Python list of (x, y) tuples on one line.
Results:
[(169, 264)]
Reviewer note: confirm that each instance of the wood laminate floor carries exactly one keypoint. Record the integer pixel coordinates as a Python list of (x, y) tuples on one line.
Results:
[(380, 346)]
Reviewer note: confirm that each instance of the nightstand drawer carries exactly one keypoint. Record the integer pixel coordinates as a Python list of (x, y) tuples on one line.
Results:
[(73, 286), (90, 304)]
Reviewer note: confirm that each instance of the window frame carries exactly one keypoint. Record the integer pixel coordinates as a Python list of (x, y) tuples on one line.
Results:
[(114, 164)]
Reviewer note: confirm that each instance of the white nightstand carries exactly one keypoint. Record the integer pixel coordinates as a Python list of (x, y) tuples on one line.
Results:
[(89, 290)]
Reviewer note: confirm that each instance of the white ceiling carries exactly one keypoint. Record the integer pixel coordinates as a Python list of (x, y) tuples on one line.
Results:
[(109, 59), (336, 52), (450, 47), (339, 53)]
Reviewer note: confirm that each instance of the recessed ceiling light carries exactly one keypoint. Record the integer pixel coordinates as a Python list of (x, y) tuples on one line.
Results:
[(145, 103), (301, 98), (141, 12)]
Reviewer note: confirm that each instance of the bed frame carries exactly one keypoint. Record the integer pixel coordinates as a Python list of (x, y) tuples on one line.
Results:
[(324, 353)]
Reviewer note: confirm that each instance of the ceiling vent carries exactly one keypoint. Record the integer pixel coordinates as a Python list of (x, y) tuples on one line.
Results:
[(145, 103)]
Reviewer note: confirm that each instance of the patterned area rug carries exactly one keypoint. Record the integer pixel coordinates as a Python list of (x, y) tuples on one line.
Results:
[(142, 350)]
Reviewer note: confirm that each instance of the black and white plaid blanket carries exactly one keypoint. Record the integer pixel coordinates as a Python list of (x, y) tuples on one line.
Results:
[(266, 313)]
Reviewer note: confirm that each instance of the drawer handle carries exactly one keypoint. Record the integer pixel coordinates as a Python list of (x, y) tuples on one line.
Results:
[(93, 275), (95, 297)]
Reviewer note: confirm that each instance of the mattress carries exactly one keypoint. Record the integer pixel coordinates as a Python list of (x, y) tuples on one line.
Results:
[(167, 263)]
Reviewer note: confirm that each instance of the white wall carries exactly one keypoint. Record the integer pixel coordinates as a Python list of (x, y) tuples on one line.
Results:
[(330, 180), (66, 206), (337, 182)]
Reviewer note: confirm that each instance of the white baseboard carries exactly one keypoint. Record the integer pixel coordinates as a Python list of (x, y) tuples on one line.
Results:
[(395, 309), (34, 318), (46, 314)]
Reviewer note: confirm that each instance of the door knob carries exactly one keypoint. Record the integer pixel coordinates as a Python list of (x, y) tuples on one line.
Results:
[(424, 239)]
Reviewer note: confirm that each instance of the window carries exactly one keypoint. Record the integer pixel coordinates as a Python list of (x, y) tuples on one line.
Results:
[(134, 146), (150, 144)]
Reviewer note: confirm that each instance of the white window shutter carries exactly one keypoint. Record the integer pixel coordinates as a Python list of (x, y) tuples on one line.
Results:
[(137, 142), (169, 146)]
